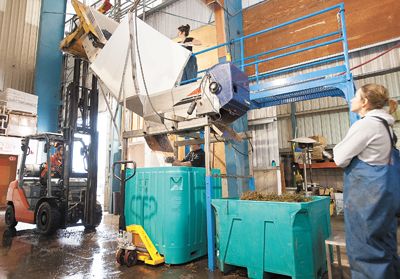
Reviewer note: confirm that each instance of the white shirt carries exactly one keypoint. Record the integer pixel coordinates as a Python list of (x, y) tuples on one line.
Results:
[(367, 139)]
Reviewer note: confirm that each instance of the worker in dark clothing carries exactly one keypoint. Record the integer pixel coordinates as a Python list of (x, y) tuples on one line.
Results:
[(195, 158), (190, 71)]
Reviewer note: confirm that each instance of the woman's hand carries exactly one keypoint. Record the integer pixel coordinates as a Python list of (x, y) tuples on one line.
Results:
[(188, 44)]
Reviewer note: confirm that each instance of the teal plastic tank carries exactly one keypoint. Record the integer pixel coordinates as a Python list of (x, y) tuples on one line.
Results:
[(170, 204), (275, 237)]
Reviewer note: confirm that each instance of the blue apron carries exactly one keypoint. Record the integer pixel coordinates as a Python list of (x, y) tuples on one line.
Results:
[(190, 70), (371, 201)]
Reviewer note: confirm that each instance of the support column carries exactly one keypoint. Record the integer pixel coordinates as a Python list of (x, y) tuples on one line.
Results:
[(252, 183), (219, 15), (229, 25), (236, 153), (228, 17), (351, 92), (293, 120), (91, 200), (210, 219), (47, 84)]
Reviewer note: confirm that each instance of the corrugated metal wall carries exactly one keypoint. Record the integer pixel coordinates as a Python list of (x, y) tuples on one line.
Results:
[(264, 135), (19, 27), (248, 3), (265, 144), (390, 80), (167, 19), (192, 12)]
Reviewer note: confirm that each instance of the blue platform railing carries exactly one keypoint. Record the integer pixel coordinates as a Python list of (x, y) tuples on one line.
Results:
[(331, 81)]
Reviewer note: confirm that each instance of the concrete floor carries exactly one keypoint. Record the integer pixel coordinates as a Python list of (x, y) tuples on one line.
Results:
[(74, 253)]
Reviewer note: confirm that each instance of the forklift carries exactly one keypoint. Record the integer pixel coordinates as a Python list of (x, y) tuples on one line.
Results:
[(55, 196)]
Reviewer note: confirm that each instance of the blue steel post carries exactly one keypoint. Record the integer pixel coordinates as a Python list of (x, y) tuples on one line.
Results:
[(344, 42), (49, 63), (209, 186), (256, 69), (350, 92), (252, 185), (237, 164), (242, 54), (293, 119)]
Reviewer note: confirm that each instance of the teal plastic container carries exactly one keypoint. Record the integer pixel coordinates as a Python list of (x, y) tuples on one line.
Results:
[(170, 204), (275, 237)]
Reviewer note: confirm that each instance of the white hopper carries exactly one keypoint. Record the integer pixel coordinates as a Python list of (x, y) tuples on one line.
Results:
[(162, 61)]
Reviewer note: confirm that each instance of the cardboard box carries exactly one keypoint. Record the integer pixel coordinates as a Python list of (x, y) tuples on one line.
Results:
[(316, 154), (318, 147), (321, 141), (21, 125), (20, 101)]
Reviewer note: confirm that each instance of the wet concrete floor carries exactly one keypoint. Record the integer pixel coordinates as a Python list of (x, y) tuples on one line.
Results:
[(76, 253)]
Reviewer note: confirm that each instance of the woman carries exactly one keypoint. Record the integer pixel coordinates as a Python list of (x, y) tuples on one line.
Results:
[(370, 196), (190, 71)]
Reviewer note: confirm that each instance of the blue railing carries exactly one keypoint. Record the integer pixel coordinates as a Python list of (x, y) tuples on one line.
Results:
[(244, 63)]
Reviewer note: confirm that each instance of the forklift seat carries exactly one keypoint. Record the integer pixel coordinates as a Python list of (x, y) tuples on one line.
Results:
[(32, 170)]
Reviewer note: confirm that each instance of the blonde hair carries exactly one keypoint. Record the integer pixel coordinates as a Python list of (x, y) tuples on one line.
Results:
[(378, 97)]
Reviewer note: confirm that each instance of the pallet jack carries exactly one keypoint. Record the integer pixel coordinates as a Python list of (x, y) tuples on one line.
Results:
[(133, 242)]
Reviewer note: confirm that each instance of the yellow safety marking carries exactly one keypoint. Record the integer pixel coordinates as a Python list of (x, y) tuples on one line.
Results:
[(80, 10), (72, 43)]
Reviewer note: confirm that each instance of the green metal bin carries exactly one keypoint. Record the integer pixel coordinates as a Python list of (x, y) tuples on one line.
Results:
[(170, 204), (284, 238)]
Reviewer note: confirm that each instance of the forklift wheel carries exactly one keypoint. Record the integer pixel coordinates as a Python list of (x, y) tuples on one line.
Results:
[(130, 258), (47, 218), (10, 216), (98, 214), (97, 217), (119, 256)]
